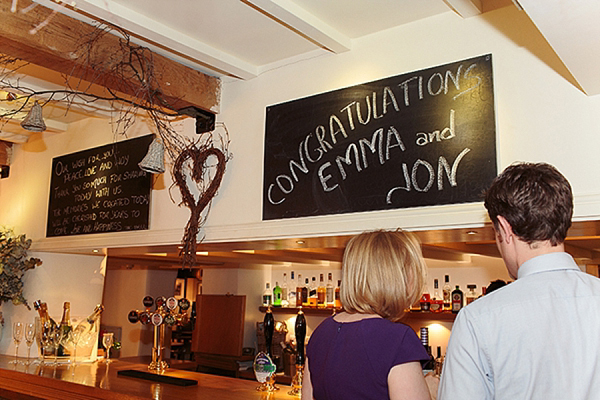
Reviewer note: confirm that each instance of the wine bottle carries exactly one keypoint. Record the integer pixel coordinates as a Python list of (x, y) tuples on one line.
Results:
[(47, 326), (65, 329), (87, 325)]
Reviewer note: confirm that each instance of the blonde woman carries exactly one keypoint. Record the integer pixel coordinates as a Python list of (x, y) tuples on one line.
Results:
[(364, 352)]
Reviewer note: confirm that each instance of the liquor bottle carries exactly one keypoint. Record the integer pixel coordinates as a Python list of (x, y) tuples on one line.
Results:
[(321, 292), (457, 299), (470, 295), (425, 301), (447, 290), (267, 297), (277, 292), (305, 290), (292, 289), (436, 302), (428, 365), (65, 328), (329, 292), (338, 303), (87, 325), (284, 291), (299, 288), (312, 296), (439, 362)]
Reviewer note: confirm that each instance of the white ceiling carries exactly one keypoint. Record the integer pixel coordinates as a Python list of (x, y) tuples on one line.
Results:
[(242, 38)]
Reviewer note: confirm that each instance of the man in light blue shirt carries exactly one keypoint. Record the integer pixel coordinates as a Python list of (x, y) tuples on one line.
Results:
[(538, 337)]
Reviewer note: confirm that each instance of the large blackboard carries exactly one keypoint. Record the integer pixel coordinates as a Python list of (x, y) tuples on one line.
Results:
[(416, 139), (100, 190)]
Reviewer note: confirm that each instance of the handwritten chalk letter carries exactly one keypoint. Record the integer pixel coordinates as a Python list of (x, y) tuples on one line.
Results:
[(416, 139)]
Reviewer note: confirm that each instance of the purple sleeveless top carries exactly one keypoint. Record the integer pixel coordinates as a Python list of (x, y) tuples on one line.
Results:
[(352, 360)]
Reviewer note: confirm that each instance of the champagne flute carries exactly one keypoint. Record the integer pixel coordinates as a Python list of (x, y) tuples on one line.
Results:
[(75, 338), (56, 338), (29, 337), (17, 337), (107, 342)]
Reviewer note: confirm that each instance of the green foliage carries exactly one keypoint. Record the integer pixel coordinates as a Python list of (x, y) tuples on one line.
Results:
[(13, 265)]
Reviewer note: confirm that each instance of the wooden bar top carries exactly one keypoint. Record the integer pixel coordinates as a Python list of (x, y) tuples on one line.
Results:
[(100, 381)]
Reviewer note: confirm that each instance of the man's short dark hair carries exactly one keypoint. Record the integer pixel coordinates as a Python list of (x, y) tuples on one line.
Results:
[(535, 199)]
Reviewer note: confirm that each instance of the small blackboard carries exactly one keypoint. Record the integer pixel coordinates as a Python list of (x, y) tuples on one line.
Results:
[(416, 139), (100, 190)]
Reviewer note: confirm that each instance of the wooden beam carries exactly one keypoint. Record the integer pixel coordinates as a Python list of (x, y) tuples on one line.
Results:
[(465, 8), (289, 14), (54, 45)]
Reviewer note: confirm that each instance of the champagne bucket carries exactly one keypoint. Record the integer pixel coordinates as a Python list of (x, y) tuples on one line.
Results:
[(87, 346)]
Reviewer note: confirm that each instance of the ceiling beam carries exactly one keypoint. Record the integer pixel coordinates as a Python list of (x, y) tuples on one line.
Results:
[(303, 22), (53, 45), (465, 8), (160, 37)]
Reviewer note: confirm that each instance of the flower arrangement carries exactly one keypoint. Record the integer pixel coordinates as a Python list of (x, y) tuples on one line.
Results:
[(13, 265)]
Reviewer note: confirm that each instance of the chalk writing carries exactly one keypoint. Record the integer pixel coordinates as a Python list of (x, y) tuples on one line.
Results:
[(414, 139), (88, 195)]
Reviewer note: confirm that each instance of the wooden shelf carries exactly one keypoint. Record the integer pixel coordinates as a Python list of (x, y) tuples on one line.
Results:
[(305, 310), (445, 316)]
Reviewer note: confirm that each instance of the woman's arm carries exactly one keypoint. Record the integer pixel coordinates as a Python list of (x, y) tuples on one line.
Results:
[(307, 391), (406, 382)]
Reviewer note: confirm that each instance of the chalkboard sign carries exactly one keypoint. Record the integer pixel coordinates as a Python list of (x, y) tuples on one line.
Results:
[(100, 190), (416, 139)]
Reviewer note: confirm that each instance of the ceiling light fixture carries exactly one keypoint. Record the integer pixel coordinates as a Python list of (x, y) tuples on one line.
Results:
[(471, 233)]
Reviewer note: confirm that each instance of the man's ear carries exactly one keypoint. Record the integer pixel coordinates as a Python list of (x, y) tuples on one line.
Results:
[(504, 230)]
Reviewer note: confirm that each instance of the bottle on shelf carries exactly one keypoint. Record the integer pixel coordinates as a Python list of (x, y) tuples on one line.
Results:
[(312, 296), (329, 299), (305, 293), (267, 297), (321, 293), (299, 291), (292, 289), (457, 299), (284, 291), (277, 292), (425, 301), (436, 301), (447, 293), (471, 295), (65, 328), (338, 303), (428, 365)]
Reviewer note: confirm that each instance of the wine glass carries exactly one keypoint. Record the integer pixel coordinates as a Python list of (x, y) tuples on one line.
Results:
[(56, 339), (107, 342), (75, 338), (29, 337), (17, 337)]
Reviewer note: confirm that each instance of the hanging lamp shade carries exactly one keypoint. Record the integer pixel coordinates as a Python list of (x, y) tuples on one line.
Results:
[(33, 121), (154, 160)]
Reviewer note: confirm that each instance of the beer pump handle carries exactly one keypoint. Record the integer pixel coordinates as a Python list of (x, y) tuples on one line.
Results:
[(300, 330), (269, 326)]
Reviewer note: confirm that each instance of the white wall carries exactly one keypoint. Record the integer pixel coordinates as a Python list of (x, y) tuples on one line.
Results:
[(74, 278)]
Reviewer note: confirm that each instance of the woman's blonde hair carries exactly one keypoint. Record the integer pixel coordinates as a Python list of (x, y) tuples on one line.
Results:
[(383, 273)]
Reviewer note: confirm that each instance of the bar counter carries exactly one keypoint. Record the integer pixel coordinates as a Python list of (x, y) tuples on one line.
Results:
[(100, 381)]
